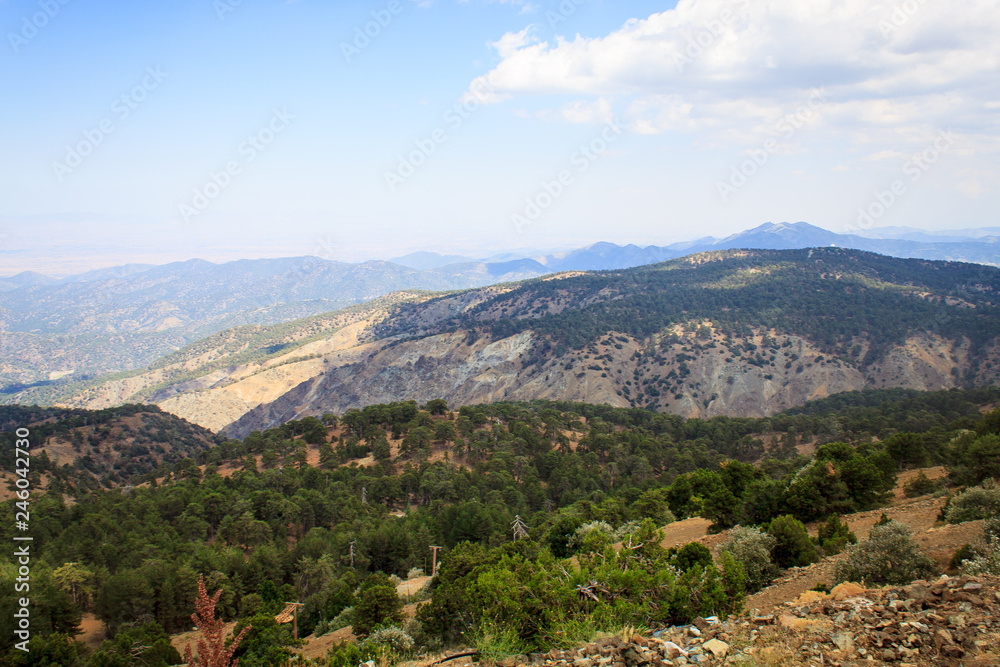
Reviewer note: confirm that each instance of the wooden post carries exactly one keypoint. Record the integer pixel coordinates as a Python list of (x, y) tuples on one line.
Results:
[(434, 560), (295, 617)]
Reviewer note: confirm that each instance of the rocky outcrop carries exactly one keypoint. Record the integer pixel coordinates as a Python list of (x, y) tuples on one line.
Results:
[(950, 621)]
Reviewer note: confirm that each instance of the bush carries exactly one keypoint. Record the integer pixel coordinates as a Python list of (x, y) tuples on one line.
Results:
[(393, 639), (751, 548), (982, 557), (920, 485), (378, 603), (793, 547), (991, 528), (352, 655), (341, 620), (496, 642), (265, 643), (734, 578), (978, 459), (888, 556), (985, 562), (834, 535), (962, 554), (599, 533), (691, 554), (977, 502), (415, 572), (147, 645)]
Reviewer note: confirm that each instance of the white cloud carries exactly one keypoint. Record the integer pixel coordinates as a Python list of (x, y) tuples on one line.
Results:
[(975, 182), (512, 42), (726, 69)]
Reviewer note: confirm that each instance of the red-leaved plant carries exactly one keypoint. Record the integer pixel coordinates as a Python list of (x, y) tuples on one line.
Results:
[(212, 650)]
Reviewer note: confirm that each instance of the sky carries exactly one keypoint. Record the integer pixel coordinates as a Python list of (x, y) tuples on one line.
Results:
[(225, 129)]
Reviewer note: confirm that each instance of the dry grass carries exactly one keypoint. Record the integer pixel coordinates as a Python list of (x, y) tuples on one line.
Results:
[(773, 646)]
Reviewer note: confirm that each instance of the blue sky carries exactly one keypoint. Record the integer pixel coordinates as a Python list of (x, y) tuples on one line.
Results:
[(225, 129)]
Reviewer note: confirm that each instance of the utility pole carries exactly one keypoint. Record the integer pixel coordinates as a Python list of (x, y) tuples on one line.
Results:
[(295, 617), (434, 560)]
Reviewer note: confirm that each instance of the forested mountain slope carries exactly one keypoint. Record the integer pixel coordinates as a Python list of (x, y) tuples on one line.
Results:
[(75, 451), (309, 510), (740, 333)]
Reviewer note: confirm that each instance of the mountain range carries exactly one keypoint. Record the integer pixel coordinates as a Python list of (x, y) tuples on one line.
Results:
[(58, 333), (737, 333)]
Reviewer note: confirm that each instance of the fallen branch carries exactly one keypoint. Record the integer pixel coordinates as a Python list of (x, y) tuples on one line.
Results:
[(464, 654)]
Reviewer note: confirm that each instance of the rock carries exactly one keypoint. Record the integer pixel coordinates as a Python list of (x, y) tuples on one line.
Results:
[(583, 662), (810, 597), (717, 648), (972, 586), (844, 641), (942, 638), (672, 650), (888, 655), (846, 591), (952, 651)]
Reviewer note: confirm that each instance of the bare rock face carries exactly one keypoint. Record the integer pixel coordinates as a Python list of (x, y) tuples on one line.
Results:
[(685, 375)]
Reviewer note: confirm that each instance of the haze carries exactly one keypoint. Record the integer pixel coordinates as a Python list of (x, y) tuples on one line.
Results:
[(228, 129)]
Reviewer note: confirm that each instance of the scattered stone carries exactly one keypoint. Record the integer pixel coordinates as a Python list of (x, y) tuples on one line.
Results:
[(945, 622), (717, 648), (672, 650), (844, 642)]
